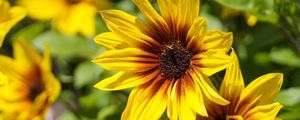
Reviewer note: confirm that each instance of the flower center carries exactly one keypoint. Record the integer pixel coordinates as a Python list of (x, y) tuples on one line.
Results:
[(174, 60), (73, 1), (35, 83)]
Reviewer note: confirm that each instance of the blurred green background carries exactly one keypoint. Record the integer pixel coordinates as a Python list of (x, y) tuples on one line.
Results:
[(272, 44)]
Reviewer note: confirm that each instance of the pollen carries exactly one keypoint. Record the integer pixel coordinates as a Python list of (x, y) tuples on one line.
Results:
[(174, 60)]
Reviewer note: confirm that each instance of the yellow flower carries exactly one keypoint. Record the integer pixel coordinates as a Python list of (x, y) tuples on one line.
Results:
[(68, 16), (27, 86), (9, 16), (230, 12), (253, 102), (167, 57)]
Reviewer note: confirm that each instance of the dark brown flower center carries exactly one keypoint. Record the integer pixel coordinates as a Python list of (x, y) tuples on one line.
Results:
[(35, 83), (73, 1), (174, 60)]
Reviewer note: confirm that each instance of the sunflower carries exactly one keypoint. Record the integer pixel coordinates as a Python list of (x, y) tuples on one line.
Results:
[(167, 57), (9, 16), (253, 102), (68, 16), (27, 86)]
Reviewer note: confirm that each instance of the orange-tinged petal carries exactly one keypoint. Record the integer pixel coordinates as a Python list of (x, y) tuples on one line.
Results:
[(128, 59), (211, 62), (256, 93), (263, 112), (215, 39), (183, 11), (179, 107), (208, 90), (196, 34), (110, 41), (233, 82), (194, 96), (123, 80), (148, 101), (128, 28), (234, 117), (188, 10)]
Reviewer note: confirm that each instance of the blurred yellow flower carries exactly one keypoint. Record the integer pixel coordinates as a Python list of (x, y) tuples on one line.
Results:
[(68, 16), (255, 102), (9, 16), (27, 86), (168, 57), (226, 13)]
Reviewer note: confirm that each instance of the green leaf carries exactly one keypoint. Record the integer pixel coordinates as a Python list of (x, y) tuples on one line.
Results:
[(285, 56), (85, 73), (65, 46), (289, 97), (237, 4), (95, 99), (30, 32), (107, 111), (294, 115), (67, 115), (212, 21), (262, 9)]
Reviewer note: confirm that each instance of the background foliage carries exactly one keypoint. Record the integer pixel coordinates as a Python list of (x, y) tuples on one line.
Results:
[(271, 45)]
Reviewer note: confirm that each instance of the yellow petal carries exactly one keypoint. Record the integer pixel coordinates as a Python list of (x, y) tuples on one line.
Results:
[(264, 112), (194, 96), (233, 82), (128, 28), (79, 18), (123, 80), (215, 39), (147, 101), (183, 11), (211, 62), (147, 9), (261, 91), (52, 84), (128, 59), (188, 10), (36, 8), (179, 107), (110, 41), (8, 18), (25, 55), (14, 91), (208, 90), (196, 34), (234, 117), (10, 68), (3, 79)]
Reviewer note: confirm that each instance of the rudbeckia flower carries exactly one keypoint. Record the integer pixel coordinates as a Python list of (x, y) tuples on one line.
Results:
[(27, 86), (9, 17), (227, 12), (254, 102), (68, 16), (167, 57)]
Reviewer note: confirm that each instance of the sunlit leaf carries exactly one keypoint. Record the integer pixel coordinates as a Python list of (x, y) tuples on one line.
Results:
[(85, 73), (289, 97), (285, 56), (65, 46)]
